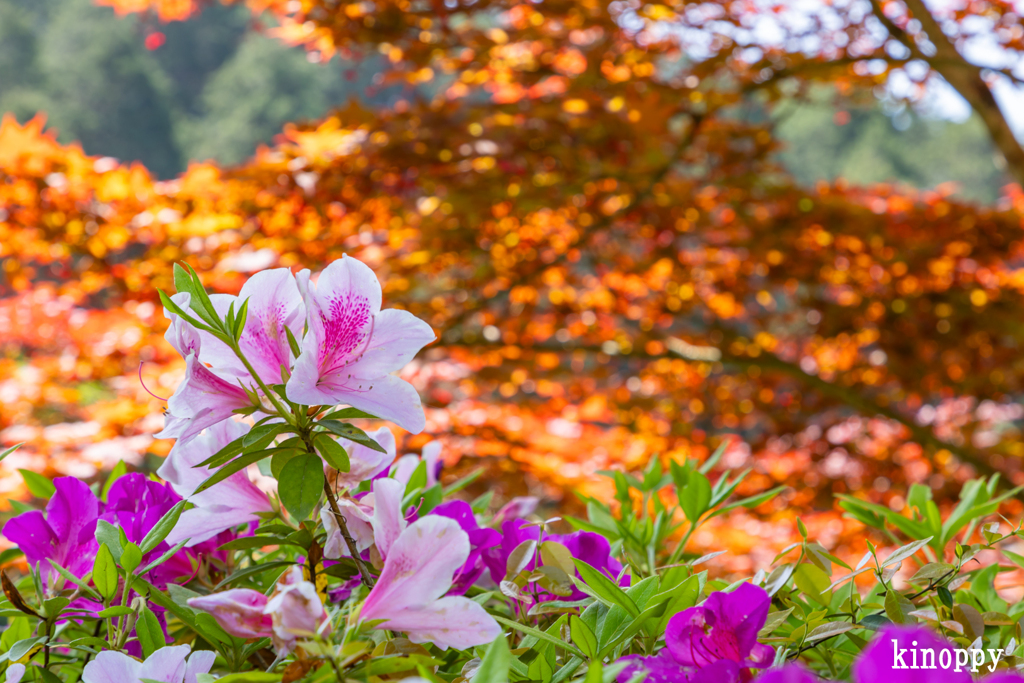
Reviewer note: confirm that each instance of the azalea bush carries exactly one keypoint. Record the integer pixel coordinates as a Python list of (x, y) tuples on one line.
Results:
[(283, 542)]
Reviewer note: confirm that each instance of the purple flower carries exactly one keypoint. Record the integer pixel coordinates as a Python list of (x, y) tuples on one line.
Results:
[(136, 504), (66, 533), (479, 541), (352, 346), (588, 546), (717, 636), (892, 652)]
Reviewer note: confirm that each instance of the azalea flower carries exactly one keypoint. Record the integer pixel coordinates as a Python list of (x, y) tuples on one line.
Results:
[(65, 533), (410, 593), (206, 396), (225, 505), (168, 665), (274, 305), (877, 659), (15, 672), (375, 519), (588, 546), (405, 467), (366, 463), (352, 346), (480, 539), (718, 636), (294, 610)]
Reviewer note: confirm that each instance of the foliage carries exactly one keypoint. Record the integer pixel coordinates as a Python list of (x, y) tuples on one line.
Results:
[(371, 588)]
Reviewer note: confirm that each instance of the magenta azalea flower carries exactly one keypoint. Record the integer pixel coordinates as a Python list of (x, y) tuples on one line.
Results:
[(352, 346), (717, 636), (65, 533), (588, 546), (410, 595), (225, 505), (888, 658), (167, 665)]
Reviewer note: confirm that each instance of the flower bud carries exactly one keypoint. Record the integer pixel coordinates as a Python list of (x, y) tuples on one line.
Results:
[(239, 611)]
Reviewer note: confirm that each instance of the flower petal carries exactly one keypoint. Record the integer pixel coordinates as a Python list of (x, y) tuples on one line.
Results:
[(112, 667), (366, 463), (449, 622), (388, 521), (166, 664), (419, 568), (397, 337), (238, 611)]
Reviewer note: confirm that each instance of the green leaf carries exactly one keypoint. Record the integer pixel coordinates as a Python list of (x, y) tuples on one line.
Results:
[(115, 611), (495, 664), (110, 535), (541, 635), (131, 557), (814, 583), (715, 457), (293, 342), (9, 451), (258, 433), (162, 528), (605, 588), (349, 414), (71, 578), (352, 433), (236, 465), (171, 552), (301, 485), (252, 571), (906, 551), (583, 637), (104, 573), (333, 452), (23, 647), (177, 310), (281, 458), (38, 485), (240, 318), (149, 632), (898, 608), (696, 497)]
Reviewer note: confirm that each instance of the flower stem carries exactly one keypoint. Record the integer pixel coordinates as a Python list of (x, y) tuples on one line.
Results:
[(349, 541)]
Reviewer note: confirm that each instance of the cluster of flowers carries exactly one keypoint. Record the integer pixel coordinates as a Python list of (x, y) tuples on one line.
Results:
[(387, 553)]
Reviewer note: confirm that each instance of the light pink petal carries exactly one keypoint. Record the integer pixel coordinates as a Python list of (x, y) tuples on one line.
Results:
[(397, 337), (204, 399), (453, 621), (166, 664), (388, 521), (239, 611), (15, 672), (404, 467), (112, 667), (203, 523), (431, 456), (357, 518), (367, 463), (199, 662), (178, 468), (388, 397), (419, 567), (181, 335), (274, 304)]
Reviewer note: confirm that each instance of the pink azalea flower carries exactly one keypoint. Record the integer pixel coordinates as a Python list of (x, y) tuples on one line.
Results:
[(65, 533), (15, 672), (410, 593), (225, 505), (207, 395), (352, 346), (366, 463), (405, 466), (239, 611), (168, 665), (876, 662), (791, 673), (376, 519), (274, 304), (293, 611)]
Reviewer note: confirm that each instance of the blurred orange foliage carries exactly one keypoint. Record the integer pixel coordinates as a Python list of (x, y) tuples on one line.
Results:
[(592, 221)]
